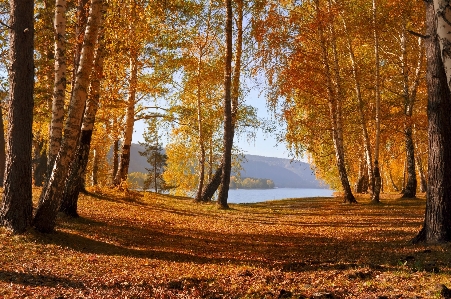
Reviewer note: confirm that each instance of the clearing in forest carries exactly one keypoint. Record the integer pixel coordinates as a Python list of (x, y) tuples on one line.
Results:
[(142, 245)]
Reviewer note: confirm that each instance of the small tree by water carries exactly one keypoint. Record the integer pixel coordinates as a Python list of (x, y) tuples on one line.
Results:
[(153, 151)]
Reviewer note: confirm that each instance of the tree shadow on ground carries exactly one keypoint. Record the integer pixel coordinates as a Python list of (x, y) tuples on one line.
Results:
[(35, 279)]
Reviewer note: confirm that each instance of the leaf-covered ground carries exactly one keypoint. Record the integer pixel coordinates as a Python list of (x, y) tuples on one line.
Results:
[(148, 246)]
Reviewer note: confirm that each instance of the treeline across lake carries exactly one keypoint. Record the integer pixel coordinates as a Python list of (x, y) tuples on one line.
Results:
[(250, 183), (137, 179)]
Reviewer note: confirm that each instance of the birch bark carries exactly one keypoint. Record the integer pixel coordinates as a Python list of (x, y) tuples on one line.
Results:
[(377, 177), (124, 160), (228, 131), (75, 180), (49, 201)]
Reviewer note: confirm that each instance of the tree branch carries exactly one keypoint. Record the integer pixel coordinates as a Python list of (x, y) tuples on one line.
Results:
[(418, 34), (6, 25)]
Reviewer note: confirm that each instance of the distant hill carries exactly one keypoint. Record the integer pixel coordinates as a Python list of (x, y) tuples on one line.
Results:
[(284, 172)]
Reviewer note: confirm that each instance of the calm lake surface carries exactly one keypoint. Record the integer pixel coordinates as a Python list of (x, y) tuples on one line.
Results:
[(260, 195)]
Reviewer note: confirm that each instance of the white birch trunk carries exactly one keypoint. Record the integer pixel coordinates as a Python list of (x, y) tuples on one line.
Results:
[(75, 181), (59, 88), (124, 161), (45, 216), (333, 92), (200, 129), (377, 177), (443, 12)]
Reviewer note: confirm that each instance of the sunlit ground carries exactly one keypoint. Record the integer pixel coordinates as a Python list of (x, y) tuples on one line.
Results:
[(135, 245)]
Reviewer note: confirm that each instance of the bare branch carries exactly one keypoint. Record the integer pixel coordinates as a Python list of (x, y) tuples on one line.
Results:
[(418, 34)]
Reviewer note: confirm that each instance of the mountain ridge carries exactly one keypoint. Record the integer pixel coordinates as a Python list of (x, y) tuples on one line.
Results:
[(285, 173)]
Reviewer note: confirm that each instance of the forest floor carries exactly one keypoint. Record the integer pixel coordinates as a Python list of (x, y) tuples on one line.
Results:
[(142, 245)]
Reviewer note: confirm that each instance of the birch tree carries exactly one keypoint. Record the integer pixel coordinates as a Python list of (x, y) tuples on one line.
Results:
[(59, 87), (377, 176), (443, 15), (228, 130), (49, 201), (215, 179), (75, 180)]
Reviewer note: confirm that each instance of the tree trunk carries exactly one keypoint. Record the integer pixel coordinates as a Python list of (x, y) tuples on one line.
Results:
[(377, 178), (115, 158), (228, 131), (82, 17), (124, 161), (365, 136), (362, 182), (200, 130), (213, 185), (75, 180), (410, 189), (95, 168), (16, 207), (216, 179), (59, 86), (437, 222), (49, 202), (39, 162), (423, 182), (409, 101), (334, 93), (2, 148), (391, 179)]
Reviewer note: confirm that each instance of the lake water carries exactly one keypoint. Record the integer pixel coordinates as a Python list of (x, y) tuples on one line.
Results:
[(260, 195)]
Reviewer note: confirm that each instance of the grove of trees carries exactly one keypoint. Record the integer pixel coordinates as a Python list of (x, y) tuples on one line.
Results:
[(360, 88)]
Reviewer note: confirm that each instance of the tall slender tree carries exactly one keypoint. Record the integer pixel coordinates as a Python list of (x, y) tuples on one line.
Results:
[(134, 51), (49, 201), (228, 130), (16, 209), (59, 87), (375, 197), (75, 180), (215, 179)]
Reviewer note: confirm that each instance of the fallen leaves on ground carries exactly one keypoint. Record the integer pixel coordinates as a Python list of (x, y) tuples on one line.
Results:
[(143, 245)]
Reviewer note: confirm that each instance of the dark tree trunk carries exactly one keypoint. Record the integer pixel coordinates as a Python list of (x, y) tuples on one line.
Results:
[(348, 197), (228, 129), (375, 198), (74, 181), (411, 185), (16, 209), (437, 222), (2, 148), (213, 185), (363, 180), (215, 180)]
